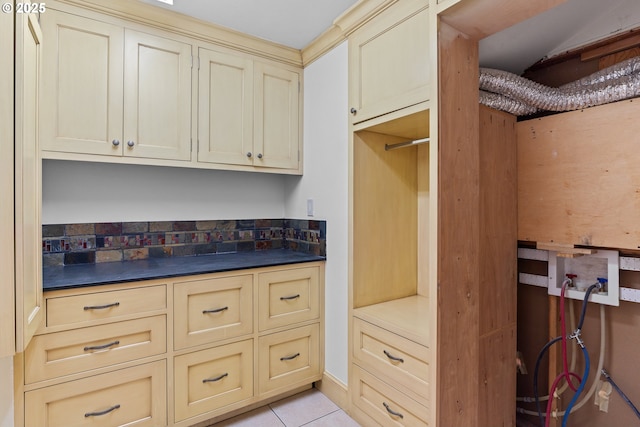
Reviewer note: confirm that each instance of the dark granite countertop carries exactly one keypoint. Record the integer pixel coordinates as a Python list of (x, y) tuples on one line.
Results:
[(73, 276)]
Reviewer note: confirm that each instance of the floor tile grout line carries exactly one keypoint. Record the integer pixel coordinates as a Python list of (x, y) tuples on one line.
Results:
[(316, 419)]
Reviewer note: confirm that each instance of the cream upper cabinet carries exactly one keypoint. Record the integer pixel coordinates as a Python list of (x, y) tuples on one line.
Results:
[(28, 187), (157, 97), (116, 92), (389, 61), (276, 116), (248, 112), (81, 109), (225, 108)]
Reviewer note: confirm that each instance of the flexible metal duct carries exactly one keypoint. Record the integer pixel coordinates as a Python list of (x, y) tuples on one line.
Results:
[(508, 92)]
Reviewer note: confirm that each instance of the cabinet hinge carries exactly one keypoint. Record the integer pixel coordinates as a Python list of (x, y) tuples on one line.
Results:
[(298, 87)]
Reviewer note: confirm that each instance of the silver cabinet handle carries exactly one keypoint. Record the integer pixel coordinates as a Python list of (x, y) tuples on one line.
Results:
[(249, 154), (392, 357), (391, 411), (115, 142), (259, 155), (289, 357), (101, 347), (290, 297), (215, 310), (105, 412), (353, 111), (213, 380), (131, 143), (101, 307)]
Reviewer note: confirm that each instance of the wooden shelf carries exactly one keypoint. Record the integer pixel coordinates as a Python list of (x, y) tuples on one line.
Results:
[(407, 317)]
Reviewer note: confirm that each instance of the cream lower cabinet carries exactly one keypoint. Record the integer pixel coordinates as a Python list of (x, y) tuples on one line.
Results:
[(172, 352), (112, 91), (391, 372)]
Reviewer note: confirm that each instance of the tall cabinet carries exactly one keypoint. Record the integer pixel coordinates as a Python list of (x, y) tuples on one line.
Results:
[(391, 342), (433, 228)]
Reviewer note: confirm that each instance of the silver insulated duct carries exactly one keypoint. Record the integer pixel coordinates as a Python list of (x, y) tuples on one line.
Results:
[(508, 92)]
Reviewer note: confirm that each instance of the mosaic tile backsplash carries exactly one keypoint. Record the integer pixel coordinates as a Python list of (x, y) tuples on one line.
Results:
[(66, 244)]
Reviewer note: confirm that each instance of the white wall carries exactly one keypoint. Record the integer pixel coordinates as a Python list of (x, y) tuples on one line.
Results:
[(6, 392), (325, 181), (78, 192)]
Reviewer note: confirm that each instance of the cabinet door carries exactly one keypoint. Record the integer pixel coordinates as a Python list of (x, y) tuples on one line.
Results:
[(81, 109), (276, 117), (389, 61), (28, 228), (157, 97), (225, 109)]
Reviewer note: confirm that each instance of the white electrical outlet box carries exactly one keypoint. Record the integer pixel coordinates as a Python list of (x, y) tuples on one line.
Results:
[(309, 207), (587, 268)]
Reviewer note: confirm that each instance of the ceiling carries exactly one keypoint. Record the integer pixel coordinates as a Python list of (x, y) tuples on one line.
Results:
[(293, 23), (296, 23)]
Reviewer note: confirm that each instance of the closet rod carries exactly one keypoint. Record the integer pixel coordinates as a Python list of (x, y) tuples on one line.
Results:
[(388, 147)]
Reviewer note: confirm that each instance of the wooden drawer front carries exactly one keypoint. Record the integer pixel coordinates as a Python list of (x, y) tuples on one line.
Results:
[(229, 371), (288, 297), (289, 357), (137, 394), (375, 350), (68, 352), (82, 310), (212, 309), (373, 397)]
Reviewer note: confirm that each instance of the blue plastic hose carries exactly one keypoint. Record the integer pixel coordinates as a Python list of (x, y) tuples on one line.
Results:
[(585, 376)]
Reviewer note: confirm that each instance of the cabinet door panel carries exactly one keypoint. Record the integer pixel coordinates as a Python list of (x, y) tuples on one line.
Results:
[(157, 97), (388, 62), (28, 188), (276, 119), (225, 111), (82, 88)]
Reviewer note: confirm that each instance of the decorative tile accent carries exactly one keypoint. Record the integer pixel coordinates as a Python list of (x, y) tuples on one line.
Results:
[(109, 228), (79, 229), (108, 256), (64, 244), (160, 226), (135, 227)]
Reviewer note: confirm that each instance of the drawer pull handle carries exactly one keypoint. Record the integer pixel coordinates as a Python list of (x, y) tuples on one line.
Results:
[(289, 297), (392, 357), (215, 310), (105, 412), (101, 347), (289, 357), (101, 307), (391, 411), (218, 378)]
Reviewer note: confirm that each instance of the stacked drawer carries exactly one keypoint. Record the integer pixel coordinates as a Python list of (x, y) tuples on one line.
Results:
[(289, 306), (213, 311), (242, 338), (80, 372), (390, 377)]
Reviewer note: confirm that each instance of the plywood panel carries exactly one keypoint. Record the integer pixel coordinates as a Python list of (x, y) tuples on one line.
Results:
[(385, 220), (578, 177)]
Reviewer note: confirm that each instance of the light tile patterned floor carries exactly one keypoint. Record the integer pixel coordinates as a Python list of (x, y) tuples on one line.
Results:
[(309, 408)]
